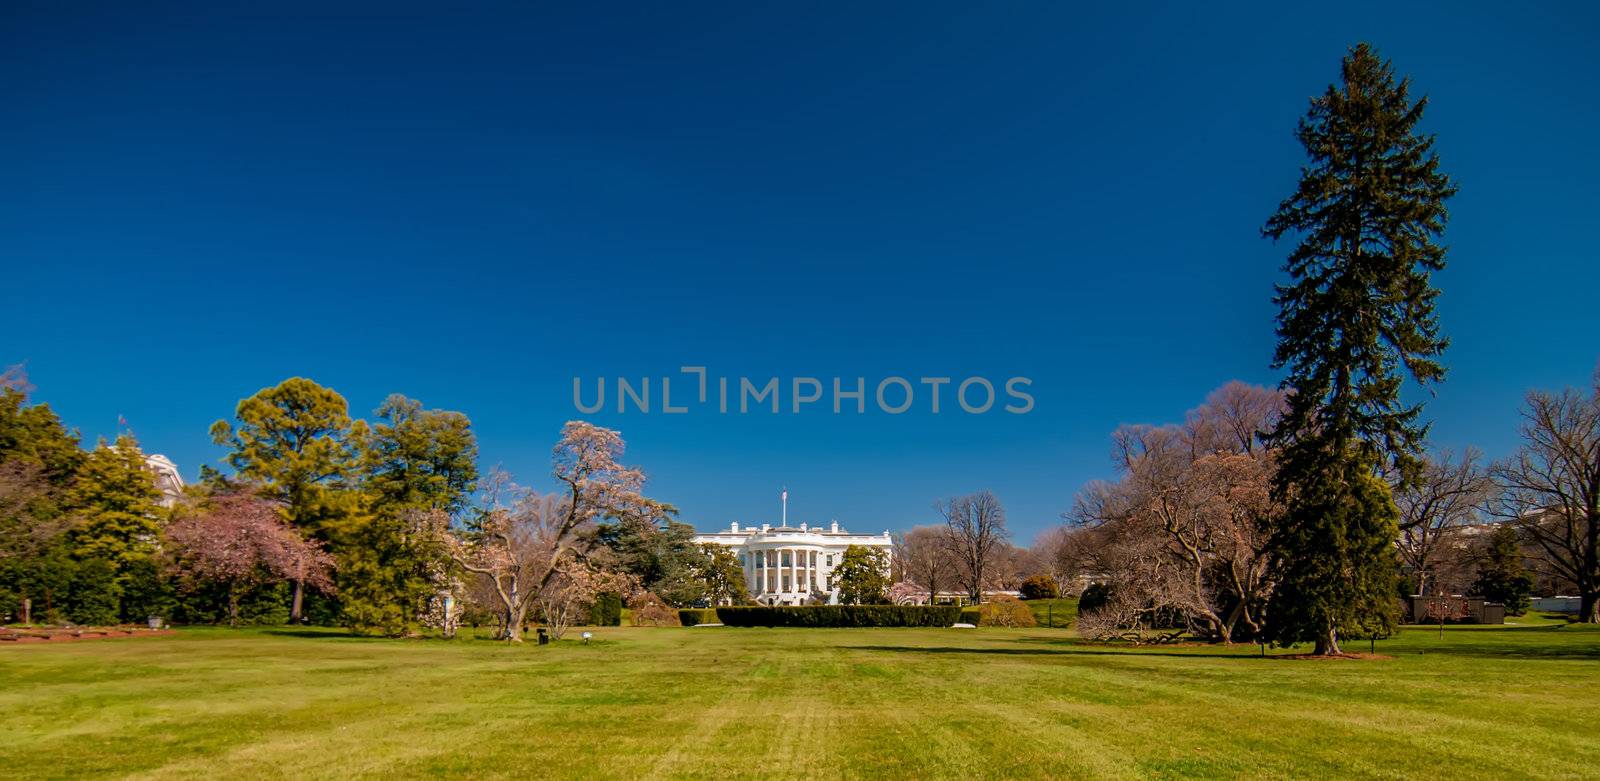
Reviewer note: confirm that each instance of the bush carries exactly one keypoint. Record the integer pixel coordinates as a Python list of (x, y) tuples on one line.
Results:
[(93, 594), (647, 609), (1040, 587), (971, 615), (1005, 611), (692, 616), (606, 610), (840, 615), (1094, 597)]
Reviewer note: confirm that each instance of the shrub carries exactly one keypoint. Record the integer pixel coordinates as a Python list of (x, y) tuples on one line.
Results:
[(1040, 587), (1094, 597), (93, 594), (971, 615), (840, 615), (647, 609), (1005, 611), (693, 616), (606, 610)]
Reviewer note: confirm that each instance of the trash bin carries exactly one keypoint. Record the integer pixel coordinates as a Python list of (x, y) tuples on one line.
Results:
[(544, 636)]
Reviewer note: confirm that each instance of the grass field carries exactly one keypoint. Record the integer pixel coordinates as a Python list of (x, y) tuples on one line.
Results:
[(1510, 702)]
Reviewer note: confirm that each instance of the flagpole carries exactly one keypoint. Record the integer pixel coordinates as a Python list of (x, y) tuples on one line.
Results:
[(786, 506)]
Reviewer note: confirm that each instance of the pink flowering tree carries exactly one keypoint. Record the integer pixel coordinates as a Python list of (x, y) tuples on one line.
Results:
[(531, 547), (240, 541)]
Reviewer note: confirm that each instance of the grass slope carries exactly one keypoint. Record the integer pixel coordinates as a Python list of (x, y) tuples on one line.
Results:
[(843, 703), (1059, 613)]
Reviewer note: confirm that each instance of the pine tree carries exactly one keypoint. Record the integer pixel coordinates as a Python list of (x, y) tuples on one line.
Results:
[(416, 462), (1502, 577), (296, 441), (1355, 318)]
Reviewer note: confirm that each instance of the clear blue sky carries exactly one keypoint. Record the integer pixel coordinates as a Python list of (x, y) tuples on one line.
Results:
[(473, 206)]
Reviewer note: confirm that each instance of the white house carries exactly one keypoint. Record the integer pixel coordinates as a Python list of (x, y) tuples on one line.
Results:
[(168, 481), (789, 565)]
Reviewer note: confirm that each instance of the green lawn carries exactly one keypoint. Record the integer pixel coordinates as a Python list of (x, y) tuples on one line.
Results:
[(1509, 702), (1059, 613)]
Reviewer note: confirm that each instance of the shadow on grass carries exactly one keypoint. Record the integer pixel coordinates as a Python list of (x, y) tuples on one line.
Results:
[(318, 634), (1071, 651), (1577, 649)]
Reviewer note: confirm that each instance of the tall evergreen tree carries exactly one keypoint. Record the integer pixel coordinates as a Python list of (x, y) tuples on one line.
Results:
[(416, 462), (420, 458), (39, 459), (297, 442), (1502, 577), (1356, 316), (118, 506)]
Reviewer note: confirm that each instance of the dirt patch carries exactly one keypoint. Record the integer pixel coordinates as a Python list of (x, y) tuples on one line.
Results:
[(57, 635), (1332, 658)]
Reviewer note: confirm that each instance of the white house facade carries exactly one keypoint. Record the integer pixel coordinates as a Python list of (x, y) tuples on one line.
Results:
[(792, 565), (168, 481)]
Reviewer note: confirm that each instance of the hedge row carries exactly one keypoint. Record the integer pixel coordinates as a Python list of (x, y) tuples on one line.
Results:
[(971, 615), (840, 615), (690, 616)]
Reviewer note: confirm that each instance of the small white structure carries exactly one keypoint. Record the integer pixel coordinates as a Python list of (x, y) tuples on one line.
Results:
[(792, 565)]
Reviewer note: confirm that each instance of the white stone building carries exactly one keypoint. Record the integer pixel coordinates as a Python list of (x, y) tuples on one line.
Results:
[(168, 481), (792, 565)]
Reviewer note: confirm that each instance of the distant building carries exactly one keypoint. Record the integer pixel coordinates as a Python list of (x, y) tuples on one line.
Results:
[(168, 481), (789, 565)]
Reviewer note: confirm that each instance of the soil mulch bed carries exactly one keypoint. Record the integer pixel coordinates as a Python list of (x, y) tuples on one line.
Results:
[(65, 635), (1333, 658)]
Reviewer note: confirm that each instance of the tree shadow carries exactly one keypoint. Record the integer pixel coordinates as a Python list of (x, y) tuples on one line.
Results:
[(317, 634), (1073, 651)]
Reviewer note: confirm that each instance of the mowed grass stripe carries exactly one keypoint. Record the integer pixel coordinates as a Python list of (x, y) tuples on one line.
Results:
[(745, 703)]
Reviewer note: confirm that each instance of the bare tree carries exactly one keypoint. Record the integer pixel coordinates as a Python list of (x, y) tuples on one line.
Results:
[(926, 555), (1184, 527), (522, 546), (1551, 488), (977, 532), (1445, 495)]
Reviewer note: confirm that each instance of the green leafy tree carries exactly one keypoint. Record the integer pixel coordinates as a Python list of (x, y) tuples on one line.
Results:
[(118, 507), (722, 575), (862, 576), (1356, 316), (38, 459), (297, 441), (420, 458), (415, 462), (662, 554), (1502, 577)]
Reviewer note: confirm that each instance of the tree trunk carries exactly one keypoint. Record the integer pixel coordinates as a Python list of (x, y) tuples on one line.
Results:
[(299, 596), (233, 605), (1328, 645), (1589, 607)]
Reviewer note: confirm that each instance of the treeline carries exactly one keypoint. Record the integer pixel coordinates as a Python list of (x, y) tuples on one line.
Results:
[(1182, 539), (384, 526)]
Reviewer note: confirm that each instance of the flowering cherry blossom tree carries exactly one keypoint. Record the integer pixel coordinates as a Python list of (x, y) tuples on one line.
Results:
[(525, 543), (241, 540)]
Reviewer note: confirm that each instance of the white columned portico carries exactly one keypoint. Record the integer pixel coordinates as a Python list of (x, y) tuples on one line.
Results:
[(786, 565)]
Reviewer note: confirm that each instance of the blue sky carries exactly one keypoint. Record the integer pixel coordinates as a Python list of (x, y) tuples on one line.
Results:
[(474, 206)]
